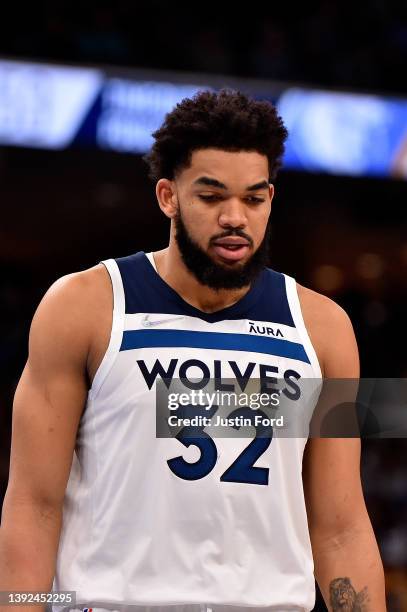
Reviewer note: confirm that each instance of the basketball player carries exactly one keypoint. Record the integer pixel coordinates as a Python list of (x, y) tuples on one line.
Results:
[(96, 502)]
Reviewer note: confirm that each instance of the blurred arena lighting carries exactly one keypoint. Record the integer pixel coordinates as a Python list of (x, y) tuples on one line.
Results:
[(370, 266), (55, 107), (328, 278)]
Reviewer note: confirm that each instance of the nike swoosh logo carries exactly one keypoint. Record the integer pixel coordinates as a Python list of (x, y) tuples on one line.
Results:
[(147, 323)]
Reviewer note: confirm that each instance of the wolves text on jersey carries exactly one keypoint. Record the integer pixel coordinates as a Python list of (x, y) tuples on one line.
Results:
[(267, 375)]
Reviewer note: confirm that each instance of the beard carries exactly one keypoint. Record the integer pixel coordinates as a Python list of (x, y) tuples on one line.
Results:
[(215, 275)]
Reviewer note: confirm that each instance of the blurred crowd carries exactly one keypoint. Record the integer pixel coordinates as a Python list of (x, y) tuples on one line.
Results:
[(360, 45)]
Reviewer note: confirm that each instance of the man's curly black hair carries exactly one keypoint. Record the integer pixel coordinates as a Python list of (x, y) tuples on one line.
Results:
[(226, 120)]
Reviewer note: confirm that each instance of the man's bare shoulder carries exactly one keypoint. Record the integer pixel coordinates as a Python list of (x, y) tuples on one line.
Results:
[(83, 284), (72, 310), (330, 330)]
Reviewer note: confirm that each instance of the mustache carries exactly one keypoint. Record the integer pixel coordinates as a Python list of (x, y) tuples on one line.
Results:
[(233, 232)]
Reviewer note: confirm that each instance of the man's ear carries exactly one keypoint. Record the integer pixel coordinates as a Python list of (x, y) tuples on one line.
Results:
[(271, 191), (167, 197)]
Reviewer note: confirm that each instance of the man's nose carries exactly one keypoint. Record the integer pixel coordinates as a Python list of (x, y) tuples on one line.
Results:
[(233, 213)]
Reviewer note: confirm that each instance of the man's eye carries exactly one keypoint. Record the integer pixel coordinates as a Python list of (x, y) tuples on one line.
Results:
[(209, 198), (254, 200)]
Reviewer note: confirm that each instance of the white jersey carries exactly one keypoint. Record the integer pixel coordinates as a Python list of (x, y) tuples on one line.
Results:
[(161, 523)]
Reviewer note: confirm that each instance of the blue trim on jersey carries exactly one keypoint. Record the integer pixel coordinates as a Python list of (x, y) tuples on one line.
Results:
[(145, 291), (160, 338)]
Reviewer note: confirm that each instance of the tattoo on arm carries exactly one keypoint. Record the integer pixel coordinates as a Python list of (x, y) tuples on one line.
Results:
[(343, 597)]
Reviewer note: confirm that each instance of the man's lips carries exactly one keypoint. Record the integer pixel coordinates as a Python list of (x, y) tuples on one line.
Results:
[(231, 249), (231, 240)]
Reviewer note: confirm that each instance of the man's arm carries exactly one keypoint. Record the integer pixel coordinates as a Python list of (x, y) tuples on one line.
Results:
[(348, 567), (48, 404)]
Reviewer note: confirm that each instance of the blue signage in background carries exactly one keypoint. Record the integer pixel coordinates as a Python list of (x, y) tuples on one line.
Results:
[(131, 110), (56, 107), (341, 133), (43, 106)]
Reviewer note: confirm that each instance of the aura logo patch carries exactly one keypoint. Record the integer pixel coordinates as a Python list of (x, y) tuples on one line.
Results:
[(263, 330)]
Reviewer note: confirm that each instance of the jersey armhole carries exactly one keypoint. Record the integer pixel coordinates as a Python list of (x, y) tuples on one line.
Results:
[(296, 313), (116, 332)]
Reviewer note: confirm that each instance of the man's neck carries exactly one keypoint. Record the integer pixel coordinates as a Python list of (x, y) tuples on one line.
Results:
[(174, 272)]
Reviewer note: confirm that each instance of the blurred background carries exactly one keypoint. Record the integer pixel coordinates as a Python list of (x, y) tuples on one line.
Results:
[(83, 87)]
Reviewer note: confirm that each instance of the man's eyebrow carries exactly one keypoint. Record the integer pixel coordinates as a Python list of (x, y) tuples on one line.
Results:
[(261, 185), (209, 182)]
